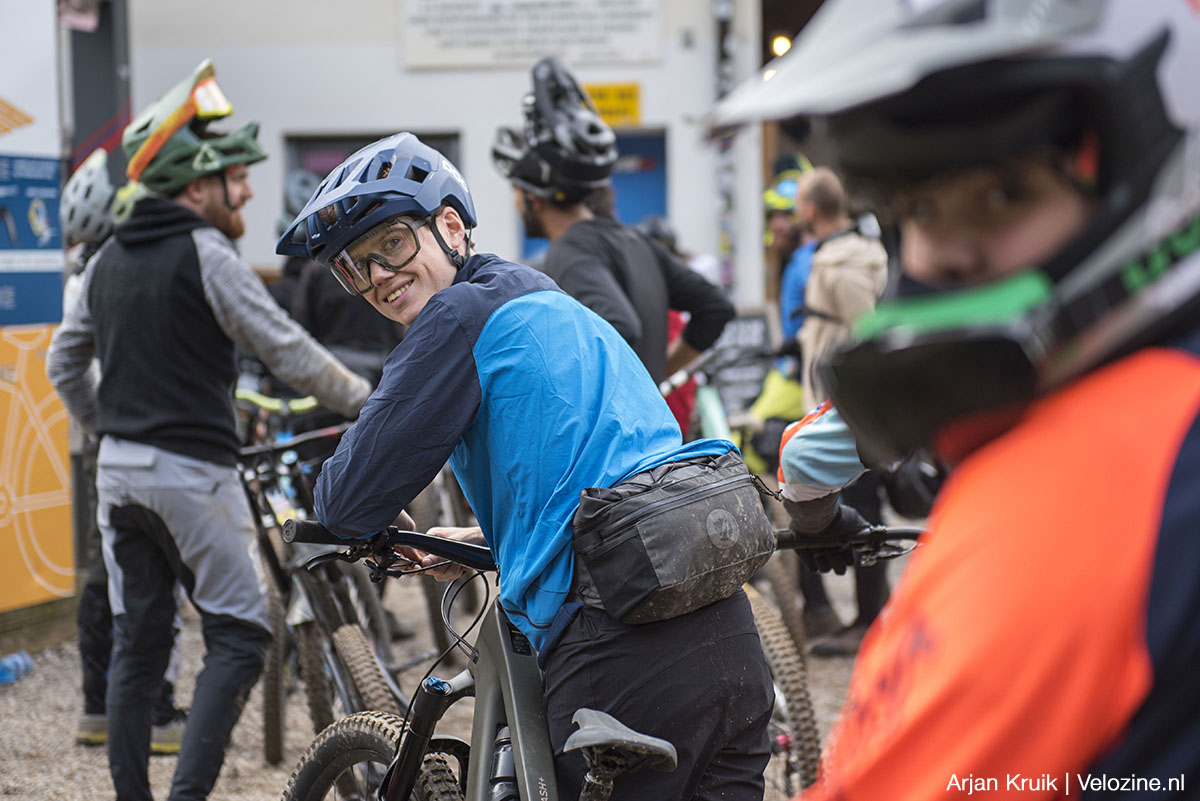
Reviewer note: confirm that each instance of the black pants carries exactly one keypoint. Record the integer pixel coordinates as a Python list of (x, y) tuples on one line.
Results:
[(94, 614), (870, 582), (235, 651), (699, 681)]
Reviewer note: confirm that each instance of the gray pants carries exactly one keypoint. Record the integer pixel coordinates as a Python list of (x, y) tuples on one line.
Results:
[(167, 518)]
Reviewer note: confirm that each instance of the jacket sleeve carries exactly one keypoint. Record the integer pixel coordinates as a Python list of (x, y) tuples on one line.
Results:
[(428, 396), (583, 276), (690, 292), (818, 456), (69, 359), (253, 320)]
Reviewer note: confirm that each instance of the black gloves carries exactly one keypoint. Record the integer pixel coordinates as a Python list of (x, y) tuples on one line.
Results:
[(825, 519)]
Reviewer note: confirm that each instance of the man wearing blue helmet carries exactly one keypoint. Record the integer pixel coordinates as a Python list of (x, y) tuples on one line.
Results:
[(533, 399)]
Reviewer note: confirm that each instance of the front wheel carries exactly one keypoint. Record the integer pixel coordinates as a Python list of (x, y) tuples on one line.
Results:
[(348, 761)]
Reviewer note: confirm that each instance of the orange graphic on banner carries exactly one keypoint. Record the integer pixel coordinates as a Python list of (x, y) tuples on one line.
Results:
[(11, 117), (36, 545)]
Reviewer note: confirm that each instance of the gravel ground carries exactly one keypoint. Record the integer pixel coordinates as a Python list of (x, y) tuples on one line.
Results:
[(40, 760)]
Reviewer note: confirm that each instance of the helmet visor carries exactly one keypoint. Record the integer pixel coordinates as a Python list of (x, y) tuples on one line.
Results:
[(209, 101), (392, 244)]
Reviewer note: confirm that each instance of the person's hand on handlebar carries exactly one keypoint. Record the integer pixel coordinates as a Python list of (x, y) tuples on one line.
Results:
[(437, 566), (825, 519)]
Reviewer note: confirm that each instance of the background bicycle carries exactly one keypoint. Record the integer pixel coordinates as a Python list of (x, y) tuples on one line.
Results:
[(328, 622)]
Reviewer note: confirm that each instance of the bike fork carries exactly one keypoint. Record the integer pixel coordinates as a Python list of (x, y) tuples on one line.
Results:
[(433, 698)]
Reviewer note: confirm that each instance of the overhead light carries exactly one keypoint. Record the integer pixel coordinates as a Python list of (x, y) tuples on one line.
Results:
[(780, 45)]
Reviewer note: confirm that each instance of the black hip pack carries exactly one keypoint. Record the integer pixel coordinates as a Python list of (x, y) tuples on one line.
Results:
[(670, 540)]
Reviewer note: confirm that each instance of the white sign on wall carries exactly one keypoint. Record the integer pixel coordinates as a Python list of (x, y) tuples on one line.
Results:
[(441, 34)]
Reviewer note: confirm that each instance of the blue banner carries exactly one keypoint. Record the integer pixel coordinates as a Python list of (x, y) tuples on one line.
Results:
[(31, 255)]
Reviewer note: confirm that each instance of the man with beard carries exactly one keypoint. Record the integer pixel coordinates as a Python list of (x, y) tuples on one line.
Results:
[(163, 304), (558, 166)]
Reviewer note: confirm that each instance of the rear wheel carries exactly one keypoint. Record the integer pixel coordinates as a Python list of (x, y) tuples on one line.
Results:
[(795, 741), (317, 690), (274, 687), (782, 574), (348, 761), (368, 607), (354, 652)]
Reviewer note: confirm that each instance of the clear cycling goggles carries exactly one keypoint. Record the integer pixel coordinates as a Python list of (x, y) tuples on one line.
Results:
[(391, 245)]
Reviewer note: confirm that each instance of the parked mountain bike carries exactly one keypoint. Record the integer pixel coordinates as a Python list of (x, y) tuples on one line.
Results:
[(328, 624)]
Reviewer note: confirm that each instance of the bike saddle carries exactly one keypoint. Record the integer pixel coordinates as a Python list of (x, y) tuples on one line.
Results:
[(602, 731)]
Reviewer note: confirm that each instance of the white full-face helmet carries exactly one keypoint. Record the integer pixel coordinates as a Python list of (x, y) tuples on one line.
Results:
[(908, 89)]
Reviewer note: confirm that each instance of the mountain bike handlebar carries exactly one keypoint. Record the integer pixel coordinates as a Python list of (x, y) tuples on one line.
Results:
[(871, 535), (868, 544), (270, 404), (381, 545)]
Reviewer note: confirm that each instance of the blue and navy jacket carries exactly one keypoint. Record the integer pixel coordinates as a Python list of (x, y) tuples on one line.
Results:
[(532, 398)]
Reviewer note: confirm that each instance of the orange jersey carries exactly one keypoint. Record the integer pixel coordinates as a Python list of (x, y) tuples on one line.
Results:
[(1044, 642)]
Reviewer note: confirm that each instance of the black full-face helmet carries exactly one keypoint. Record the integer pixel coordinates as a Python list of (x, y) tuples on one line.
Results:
[(565, 149)]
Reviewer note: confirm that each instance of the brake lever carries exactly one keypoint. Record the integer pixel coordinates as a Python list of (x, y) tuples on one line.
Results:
[(353, 554)]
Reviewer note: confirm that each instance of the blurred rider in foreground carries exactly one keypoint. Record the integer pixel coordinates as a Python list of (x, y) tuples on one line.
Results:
[(1042, 161)]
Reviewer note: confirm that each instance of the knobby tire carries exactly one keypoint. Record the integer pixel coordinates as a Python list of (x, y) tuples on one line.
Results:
[(369, 609), (348, 760), (274, 689), (782, 575), (794, 720), (317, 691), (354, 651)]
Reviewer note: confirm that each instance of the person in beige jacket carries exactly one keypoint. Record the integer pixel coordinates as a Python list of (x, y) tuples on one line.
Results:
[(849, 273)]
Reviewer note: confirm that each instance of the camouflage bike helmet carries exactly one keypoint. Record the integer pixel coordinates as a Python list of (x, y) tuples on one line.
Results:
[(167, 146)]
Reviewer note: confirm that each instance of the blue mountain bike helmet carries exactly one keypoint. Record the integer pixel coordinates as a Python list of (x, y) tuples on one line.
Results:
[(396, 176)]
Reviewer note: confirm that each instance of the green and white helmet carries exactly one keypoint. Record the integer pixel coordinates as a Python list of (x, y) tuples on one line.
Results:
[(85, 209), (908, 89), (166, 146)]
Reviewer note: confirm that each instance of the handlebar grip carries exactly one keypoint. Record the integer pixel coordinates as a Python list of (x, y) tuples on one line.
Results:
[(311, 531), (476, 557), (785, 538)]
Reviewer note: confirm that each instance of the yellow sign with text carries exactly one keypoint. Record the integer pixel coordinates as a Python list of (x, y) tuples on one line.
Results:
[(37, 560), (619, 104)]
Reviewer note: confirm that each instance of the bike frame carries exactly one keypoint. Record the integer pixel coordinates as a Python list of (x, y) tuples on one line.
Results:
[(507, 686)]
